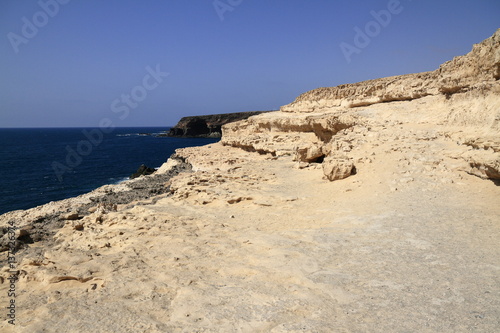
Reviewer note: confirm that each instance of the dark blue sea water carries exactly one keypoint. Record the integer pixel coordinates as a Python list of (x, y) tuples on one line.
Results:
[(42, 165)]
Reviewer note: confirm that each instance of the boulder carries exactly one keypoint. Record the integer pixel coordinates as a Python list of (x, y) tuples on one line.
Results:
[(310, 153), (337, 168), (142, 171)]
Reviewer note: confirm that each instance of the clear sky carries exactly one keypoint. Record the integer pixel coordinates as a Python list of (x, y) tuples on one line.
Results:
[(79, 61)]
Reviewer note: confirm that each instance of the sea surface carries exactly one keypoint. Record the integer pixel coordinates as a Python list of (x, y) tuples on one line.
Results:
[(39, 165)]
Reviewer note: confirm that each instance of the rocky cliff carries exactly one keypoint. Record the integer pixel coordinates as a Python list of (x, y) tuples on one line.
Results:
[(459, 103), (352, 209), (478, 70), (207, 126)]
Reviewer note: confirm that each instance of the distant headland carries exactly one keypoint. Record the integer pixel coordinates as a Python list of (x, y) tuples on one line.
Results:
[(207, 126)]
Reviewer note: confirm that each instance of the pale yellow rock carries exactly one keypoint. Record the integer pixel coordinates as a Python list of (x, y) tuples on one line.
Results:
[(254, 241), (308, 153), (167, 166), (336, 168), (474, 71), (462, 96)]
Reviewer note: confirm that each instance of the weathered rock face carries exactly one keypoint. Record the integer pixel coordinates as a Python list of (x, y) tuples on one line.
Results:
[(280, 133), (226, 240), (207, 126), (332, 125), (477, 70)]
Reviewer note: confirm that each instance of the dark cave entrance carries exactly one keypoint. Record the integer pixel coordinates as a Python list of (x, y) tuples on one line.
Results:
[(197, 126)]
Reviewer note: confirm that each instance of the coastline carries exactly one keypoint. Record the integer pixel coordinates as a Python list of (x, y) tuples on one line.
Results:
[(32, 160), (321, 217), (48, 218), (207, 126), (255, 233)]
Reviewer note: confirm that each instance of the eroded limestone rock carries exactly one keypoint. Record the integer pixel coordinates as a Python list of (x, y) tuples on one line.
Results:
[(337, 168)]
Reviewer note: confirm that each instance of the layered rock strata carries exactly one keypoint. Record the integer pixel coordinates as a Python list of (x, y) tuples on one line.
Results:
[(225, 239), (478, 70), (461, 100)]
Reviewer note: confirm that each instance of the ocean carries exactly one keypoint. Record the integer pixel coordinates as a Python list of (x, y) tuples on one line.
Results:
[(39, 165)]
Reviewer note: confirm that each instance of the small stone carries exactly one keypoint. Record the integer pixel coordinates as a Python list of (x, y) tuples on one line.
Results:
[(71, 216), (303, 165), (78, 227)]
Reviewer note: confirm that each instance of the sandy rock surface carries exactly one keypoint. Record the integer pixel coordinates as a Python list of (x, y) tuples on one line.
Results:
[(252, 235), (259, 245), (473, 71)]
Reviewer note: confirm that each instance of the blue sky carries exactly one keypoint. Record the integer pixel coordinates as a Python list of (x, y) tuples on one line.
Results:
[(244, 55)]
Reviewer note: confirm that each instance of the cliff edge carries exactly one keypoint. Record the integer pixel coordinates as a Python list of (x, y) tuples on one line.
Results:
[(458, 103), (370, 207), (209, 125), (478, 70)]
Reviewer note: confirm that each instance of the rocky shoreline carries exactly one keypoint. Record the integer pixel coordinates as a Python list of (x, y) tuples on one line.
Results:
[(377, 214), (45, 220), (209, 126)]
